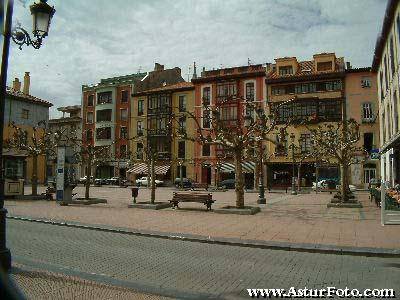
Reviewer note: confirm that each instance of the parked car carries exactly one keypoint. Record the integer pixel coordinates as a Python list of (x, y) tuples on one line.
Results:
[(143, 182), (331, 184), (187, 183), (227, 184), (100, 181), (83, 179)]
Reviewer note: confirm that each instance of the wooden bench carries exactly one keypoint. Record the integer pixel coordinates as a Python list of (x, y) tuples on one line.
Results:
[(197, 186), (204, 198)]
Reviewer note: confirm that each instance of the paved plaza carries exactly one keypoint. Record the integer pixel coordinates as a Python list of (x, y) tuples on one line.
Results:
[(286, 218), (183, 269)]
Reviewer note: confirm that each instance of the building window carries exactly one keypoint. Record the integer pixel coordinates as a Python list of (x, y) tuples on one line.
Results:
[(392, 62), (123, 132), (104, 115), (206, 119), (89, 117), (226, 91), (104, 97), (324, 66), (182, 103), (139, 128), (25, 114), (206, 150), (369, 174), (228, 113), (124, 114), (139, 151), (250, 91), (366, 82), (286, 70), (13, 168), (206, 96), (181, 149), (124, 96), (368, 141), (368, 114), (305, 143), (103, 133), (123, 151), (182, 124), (140, 106), (89, 135), (90, 100)]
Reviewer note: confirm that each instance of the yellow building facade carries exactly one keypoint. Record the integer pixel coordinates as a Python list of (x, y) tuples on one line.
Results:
[(158, 118)]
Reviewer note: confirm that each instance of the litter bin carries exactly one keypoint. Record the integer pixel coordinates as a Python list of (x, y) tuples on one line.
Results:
[(135, 193)]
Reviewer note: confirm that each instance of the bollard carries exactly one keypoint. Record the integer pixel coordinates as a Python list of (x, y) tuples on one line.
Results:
[(135, 192)]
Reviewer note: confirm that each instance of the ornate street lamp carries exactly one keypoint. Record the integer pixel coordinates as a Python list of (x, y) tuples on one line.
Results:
[(42, 14), (292, 137)]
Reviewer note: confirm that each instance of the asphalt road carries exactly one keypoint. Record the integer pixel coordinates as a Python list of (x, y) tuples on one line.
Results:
[(185, 269)]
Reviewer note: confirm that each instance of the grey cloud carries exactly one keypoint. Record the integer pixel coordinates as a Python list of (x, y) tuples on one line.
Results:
[(90, 40)]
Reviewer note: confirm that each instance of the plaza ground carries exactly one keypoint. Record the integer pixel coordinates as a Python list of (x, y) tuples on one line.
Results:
[(108, 265), (287, 218)]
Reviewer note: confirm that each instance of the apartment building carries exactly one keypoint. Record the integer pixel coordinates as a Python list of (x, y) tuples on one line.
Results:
[(300, 90), (105, 119), (362, 105), (159, 119), (386, 63), (226, 89), (25, 111)]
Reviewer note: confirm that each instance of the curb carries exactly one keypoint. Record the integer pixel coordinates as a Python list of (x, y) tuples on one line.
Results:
[(285, 246)]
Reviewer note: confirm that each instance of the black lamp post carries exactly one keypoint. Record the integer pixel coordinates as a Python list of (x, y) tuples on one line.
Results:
[(42, 14), (292, 137)]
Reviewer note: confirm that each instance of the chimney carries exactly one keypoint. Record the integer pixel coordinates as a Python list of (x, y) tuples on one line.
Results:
[(27, 83), (268, 67), (203, 73), (194, 71), (17, 85), (158, 67), (348, 65)]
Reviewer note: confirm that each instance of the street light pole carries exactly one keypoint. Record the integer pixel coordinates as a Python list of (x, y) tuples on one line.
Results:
[(42, 14), (5, 254)]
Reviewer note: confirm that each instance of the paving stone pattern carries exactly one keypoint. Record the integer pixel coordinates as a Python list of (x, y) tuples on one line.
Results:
[(41, 284), (182, 268)]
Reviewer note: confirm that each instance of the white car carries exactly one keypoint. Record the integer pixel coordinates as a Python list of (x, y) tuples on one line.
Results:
[(83, 179), (324, 184), (143, 182)]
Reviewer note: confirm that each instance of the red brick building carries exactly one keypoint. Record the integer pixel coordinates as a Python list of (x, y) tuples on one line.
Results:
[(214, 88)]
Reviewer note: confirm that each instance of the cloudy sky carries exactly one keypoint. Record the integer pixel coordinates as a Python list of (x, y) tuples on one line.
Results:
[(95, 39)]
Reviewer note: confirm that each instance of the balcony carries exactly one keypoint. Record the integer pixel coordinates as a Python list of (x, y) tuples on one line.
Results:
[(164, 155), (159, 110), (158, 132)]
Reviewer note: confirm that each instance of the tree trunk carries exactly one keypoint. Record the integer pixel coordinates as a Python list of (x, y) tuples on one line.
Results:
[(153, 182), (344, 182), (239, 186), (88, 177), (149, 173), (298, 177), (34, 174), (257, 172)]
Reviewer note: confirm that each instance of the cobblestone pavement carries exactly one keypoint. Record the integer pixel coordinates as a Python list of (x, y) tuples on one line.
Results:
[(183, 269), (40, 284), (286, 218)]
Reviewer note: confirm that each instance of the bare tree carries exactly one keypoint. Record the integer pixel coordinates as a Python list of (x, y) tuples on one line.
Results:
[(40, 142), (339, 142), (236, 137)]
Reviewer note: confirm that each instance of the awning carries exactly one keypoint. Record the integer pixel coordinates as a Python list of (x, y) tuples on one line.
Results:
[(141, 168), (248, 167)]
